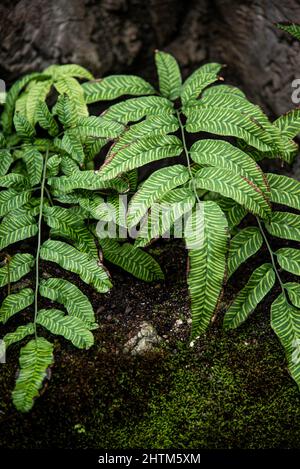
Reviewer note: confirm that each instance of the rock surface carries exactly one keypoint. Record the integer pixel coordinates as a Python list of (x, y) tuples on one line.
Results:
[(144, 342), (113, 36)]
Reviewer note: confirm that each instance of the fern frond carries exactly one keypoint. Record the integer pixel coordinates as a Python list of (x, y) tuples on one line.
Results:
[(132, 259), (89, 179), (69, 258), (19, 334), (159, 183), (242, 246), (34, 163), (46, 120), (140, 153), (70, 86), (293, 290), (115, 86), (236, 187), (15, 228), (11, 98), (291, 28), (171, 207), (18, 266), (76, 303), (284, 190), (284, 225), (198, 81), (234, 212), (224, 155), (72, 145), (286, 325), (289, 123), (15, 302), (23, 127), (53, 165), (68, 70), (98, 127), (37, 94), (231, 115), (65, 109), (169, 75), (6, 160), (11, 199), (70, 327), (207, 263), (135, 109), (258, 286), (34, 360), (289, 260)]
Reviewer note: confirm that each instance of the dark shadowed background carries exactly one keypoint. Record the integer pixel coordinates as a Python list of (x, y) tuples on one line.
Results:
[(118, 36)]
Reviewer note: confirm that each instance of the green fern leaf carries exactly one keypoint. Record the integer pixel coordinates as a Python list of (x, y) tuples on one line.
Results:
[(231, 115), (18, 266), (169, 75), (72, 145), (291, 28), (92, 204), (76, 303), (224, 155), (23, 127), (158, 184), (242, 246), (115, 86), (69, 70), (16, 302), (98, 127), (11, 199), (37, 94), (198, 81), (260, 283), (289, 260), (234, 212), (34, 163), (13, 180), (135, 109), (171, 207), (284, 225), (5, 161), (206, 239), (19, 334), (289, 123), (69, 258), (234, 186), (53, 165), (46, 120), (140, 153), (293, 290), (89, 179), (11, 98), (133, 260), (224, 89), (15, 228), (35, 358), (284, 190), (286, 325), (70, 327), (70, 86), (65, 109)]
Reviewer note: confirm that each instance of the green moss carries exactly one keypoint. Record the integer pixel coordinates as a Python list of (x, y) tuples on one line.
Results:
[(203, 399)]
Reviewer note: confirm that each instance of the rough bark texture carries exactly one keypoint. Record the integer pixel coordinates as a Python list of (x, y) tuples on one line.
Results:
[(112, 36)]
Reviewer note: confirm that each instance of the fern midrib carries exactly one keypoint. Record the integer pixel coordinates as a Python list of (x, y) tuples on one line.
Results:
[(39, 238), (272, 256), (187, 155)]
